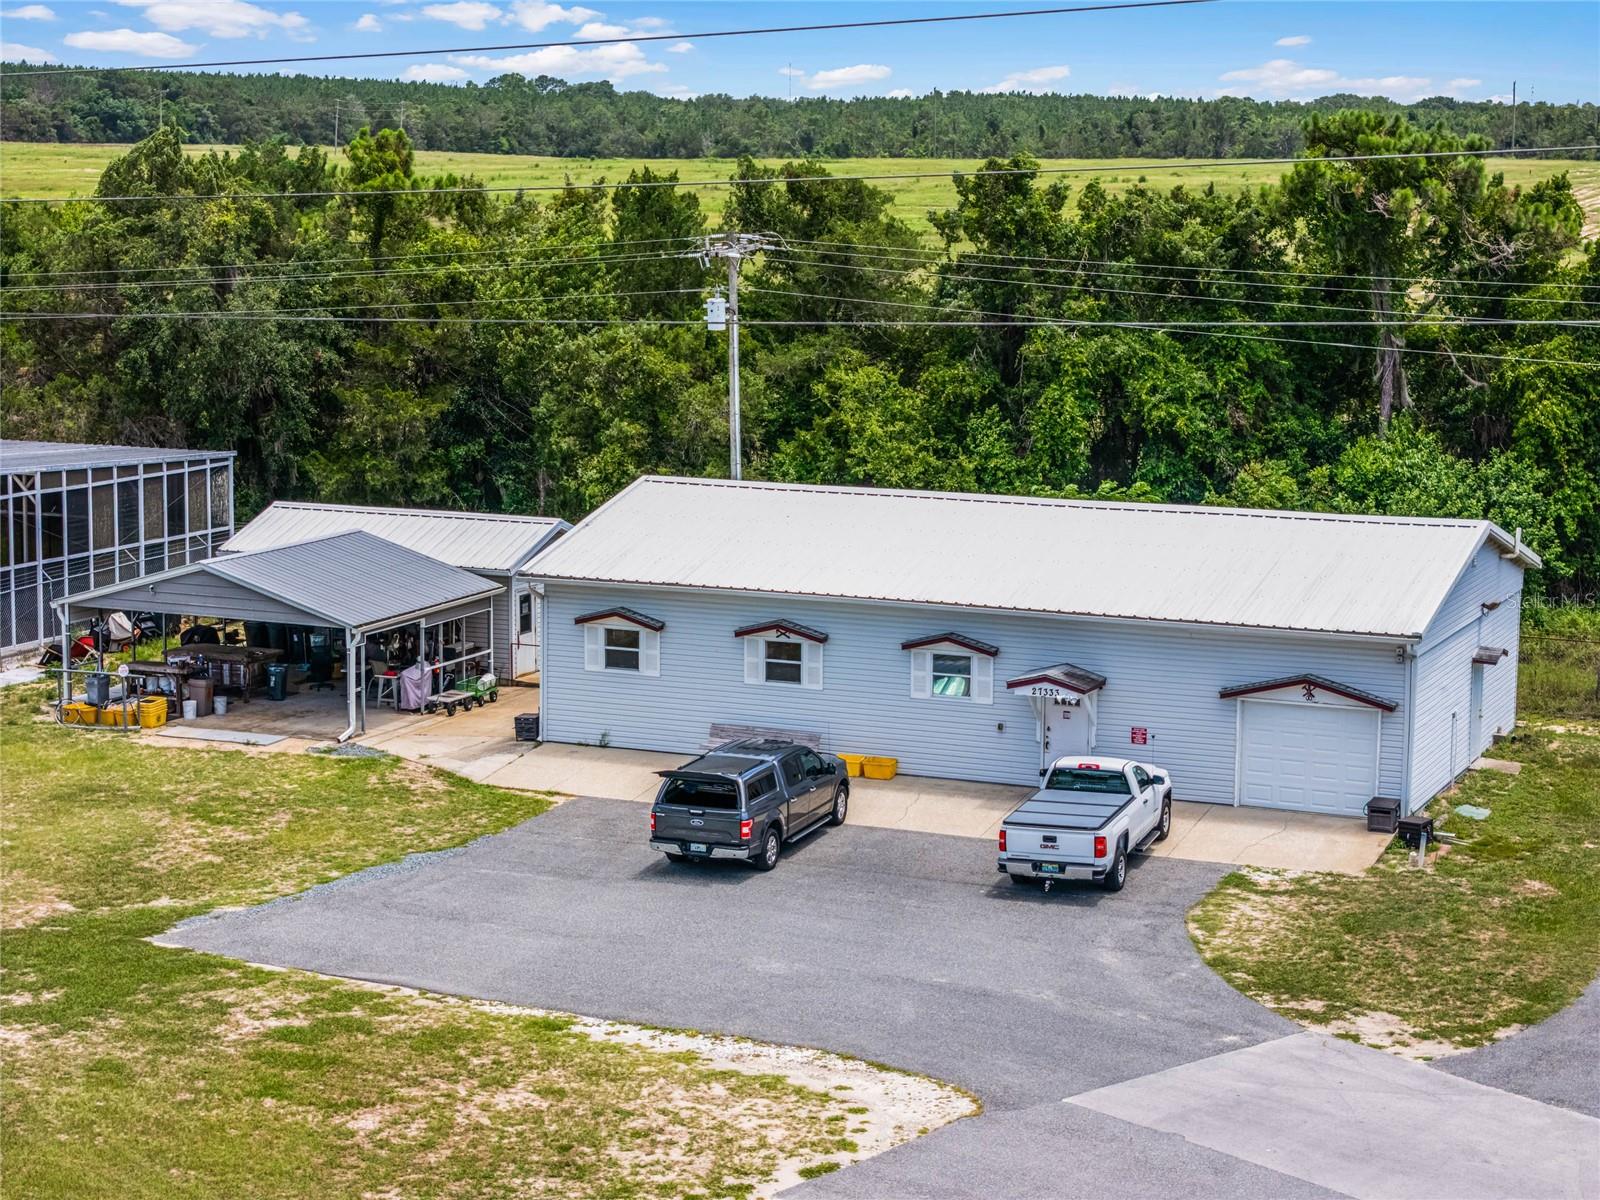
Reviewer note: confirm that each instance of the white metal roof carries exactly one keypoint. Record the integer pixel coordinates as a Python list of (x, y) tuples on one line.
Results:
[(56, 456), (491, 542), (1378, 576), (352, 579)]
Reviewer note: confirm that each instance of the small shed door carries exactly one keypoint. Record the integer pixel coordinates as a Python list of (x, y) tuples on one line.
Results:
[(524, 631), (1308, 757)]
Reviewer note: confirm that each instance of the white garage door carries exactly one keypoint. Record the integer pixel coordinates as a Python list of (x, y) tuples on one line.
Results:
[(1312, 757)]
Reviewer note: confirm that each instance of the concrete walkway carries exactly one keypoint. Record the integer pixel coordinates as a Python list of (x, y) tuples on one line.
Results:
[(1364, 1123)]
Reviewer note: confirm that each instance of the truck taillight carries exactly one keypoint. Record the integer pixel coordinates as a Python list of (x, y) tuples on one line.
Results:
[(1002, 841), (746, 829), (1099, 847), (652, 820)]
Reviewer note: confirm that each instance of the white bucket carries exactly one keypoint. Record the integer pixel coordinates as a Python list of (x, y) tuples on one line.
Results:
[(191, 709), (219, 705)]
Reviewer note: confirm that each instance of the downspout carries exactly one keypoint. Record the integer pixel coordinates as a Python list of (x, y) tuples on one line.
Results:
[(352, 647), (1411, 730)]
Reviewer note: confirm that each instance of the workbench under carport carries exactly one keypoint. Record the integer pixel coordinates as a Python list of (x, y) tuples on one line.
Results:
[(354, 582)]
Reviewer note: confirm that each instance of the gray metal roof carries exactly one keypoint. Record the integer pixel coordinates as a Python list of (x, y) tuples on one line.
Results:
[(353, 579), (492, 542), (18, 456), (1250, 568)]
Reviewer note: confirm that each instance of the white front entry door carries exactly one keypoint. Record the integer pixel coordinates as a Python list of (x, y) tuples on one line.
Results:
[(1308, 757), (524, 632), (1068, 728)]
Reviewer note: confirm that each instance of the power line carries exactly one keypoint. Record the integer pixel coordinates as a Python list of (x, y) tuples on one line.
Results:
[(565, 248), (445, 270), (423, 192), (625, 39), (1088, 284), (1076, 264)]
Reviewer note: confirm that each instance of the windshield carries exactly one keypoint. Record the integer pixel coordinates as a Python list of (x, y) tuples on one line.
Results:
[(700, 793), (1081, 779)]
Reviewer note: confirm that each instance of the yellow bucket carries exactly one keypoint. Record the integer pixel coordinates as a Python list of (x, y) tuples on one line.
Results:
[(152, 712), (111, 714), (79, 713), (879, 768), (852, 764)]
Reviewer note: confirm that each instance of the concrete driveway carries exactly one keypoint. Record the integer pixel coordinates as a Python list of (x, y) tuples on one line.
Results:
[(908, 949)]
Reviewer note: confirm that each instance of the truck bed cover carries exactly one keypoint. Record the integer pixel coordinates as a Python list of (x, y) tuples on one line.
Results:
[(1072, 810)]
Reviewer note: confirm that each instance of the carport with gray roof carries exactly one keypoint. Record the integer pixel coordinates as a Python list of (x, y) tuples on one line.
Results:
[(354, 581)]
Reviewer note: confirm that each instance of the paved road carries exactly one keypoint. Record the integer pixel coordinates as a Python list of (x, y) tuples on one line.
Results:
[(899, 947)]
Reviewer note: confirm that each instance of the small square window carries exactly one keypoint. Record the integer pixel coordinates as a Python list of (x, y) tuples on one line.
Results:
[(952, 674), (783, 661), (622, 649)]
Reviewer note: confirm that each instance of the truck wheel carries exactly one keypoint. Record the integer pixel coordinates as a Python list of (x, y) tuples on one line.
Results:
[(771, 850), (1117, 873), (841, 803), (1166, 820)]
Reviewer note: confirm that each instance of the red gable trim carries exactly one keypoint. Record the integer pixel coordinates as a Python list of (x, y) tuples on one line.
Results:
[(1030, 680), (621, 614), (955, 639), (1308, 681), (788, 628)]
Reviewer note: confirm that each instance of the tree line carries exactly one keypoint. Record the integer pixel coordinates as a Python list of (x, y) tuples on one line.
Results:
[(1402, 335), (512, 114)]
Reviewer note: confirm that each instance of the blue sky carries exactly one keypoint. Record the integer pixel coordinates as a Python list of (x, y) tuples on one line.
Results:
[(1270, 49)]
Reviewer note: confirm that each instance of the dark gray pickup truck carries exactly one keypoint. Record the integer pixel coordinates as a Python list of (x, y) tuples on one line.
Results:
[(745, 800)]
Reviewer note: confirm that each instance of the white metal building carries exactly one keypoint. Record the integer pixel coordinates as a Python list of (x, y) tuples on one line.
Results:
[(495, 545), (79, 516), (1288, 660)]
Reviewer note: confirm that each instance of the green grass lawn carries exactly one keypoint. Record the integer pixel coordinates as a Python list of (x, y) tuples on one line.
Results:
[(1495, 933), (67, 169), (133, 1070)]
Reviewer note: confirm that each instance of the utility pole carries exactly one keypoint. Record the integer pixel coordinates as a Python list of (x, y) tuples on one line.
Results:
[(734, 248), (1513, 114), (336, 124)]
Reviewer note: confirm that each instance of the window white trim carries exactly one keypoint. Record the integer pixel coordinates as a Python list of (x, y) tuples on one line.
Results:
[(981, 690), (756, 660), (594, 647)]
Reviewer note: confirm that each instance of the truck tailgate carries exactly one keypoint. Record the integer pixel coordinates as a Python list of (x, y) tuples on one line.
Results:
[(1060, 825), (1034, 842), (684, 824)]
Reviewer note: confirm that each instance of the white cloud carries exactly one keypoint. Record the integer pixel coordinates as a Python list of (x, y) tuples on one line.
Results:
[(434, 73), (1500, 98), (468, 14), (534, 15), (29, 12), (1285, 77), (652, 24), (792, 72), (841, 77), (17, 52), (1298, 39), (900, 94), (220, 18), (127, 41), (1461, 85), (677, 92), (572, 62), (1039, 79), (368, 23), (680, 47), (599, 29)]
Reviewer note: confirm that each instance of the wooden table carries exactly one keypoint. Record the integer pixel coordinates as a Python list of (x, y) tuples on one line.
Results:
[(237, 668)]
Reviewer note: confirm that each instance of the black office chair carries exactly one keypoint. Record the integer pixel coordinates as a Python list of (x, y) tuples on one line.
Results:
[(319, 671)]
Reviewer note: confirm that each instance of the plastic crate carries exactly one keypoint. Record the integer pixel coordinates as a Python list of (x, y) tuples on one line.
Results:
[(152, 712), (1383, 814), (852, 764), (878, 767), (79, 713)]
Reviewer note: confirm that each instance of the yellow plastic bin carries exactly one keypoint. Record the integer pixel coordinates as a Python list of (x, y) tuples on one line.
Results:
[(852, 764), (152, 712), (111, 714), (875, 767), (79, 713)]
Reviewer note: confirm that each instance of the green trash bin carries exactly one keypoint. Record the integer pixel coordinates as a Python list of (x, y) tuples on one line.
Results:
[(277, 681)]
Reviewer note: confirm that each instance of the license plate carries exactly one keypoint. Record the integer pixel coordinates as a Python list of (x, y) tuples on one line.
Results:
[(1047, 868), (697, 847)]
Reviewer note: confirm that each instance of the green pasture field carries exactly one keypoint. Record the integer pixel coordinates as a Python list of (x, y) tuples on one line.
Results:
[(72, 169)]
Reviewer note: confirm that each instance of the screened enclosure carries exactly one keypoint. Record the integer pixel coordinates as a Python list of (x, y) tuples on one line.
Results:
[(76, 517)]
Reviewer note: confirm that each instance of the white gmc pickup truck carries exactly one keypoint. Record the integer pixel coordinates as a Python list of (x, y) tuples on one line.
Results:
[(1090, 814)]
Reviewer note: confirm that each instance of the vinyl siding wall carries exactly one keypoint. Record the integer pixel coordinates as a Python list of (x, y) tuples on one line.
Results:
[(1161, 678), (1442, 692)]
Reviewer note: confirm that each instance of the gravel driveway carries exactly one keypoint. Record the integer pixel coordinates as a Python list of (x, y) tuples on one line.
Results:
[(899, 947)]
